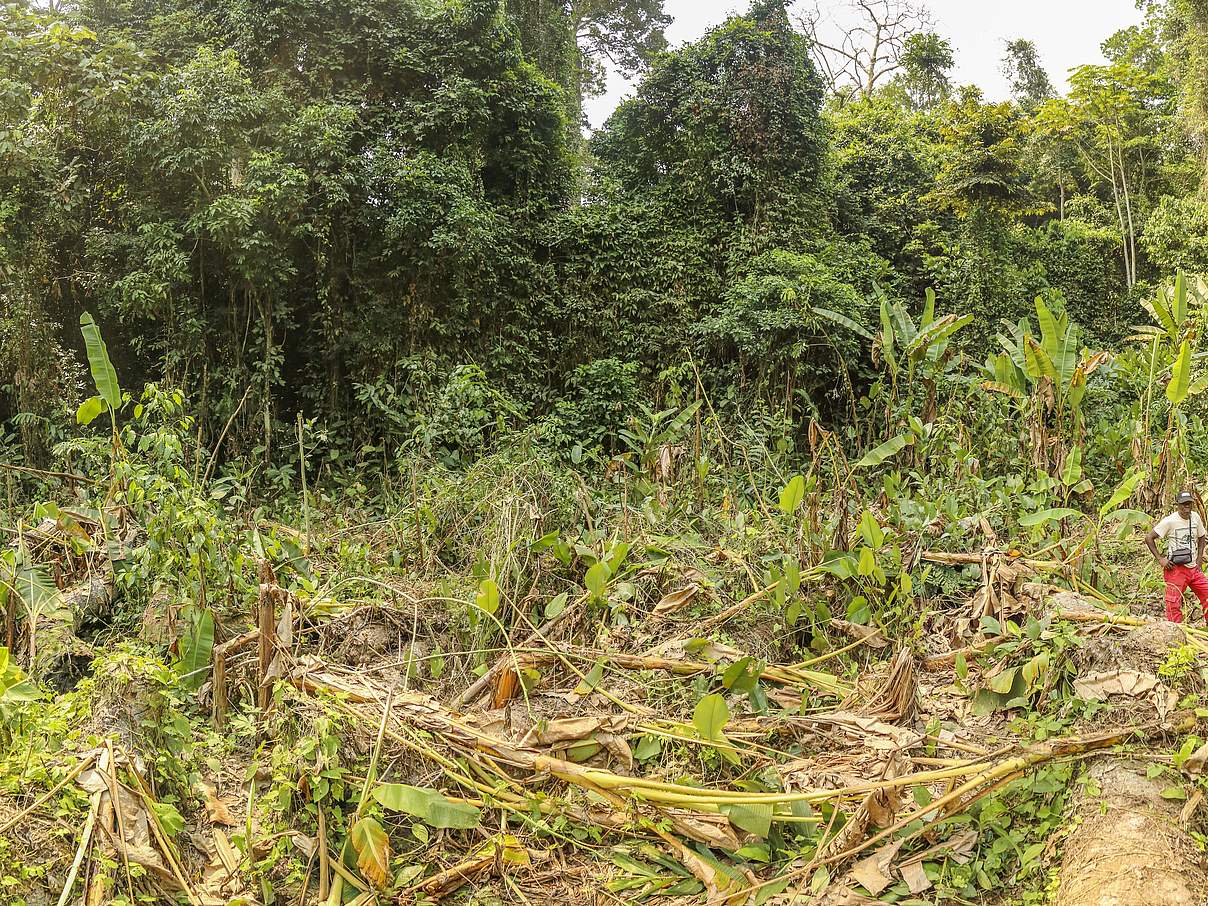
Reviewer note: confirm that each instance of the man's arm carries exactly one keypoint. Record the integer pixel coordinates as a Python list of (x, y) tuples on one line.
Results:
[(1199, 556), (1151, 543)]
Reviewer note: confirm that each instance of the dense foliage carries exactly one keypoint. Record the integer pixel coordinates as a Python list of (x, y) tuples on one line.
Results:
[(373, 212)]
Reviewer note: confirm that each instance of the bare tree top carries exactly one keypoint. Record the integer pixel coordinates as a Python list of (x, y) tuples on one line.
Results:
[(857, 50)]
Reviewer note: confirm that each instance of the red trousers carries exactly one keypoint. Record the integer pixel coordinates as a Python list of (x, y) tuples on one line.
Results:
[(1178, 578)]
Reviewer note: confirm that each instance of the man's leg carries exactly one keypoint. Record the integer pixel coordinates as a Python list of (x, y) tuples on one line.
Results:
[(1199, 584), (1176, 581)]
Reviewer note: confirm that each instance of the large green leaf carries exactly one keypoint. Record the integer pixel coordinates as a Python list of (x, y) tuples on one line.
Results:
[(935, 335), (596, 579), (1038, 363), (888, 340), (755, 818), (37, 591), (90, 409), (843, 321), (792, 494), (1046, 516), (1059, 340), (1178, 302), (711, 716), (103, 373), (14, 687), (1180, 376), (928, 308), (1122, 492), (885, 451), (429, 806), (487, 599), (1071, 470), (197, 650)]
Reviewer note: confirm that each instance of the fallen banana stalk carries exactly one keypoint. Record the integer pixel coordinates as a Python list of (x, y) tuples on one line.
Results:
[(968, 781), (789, 675), (1196, 636), (426, 714)]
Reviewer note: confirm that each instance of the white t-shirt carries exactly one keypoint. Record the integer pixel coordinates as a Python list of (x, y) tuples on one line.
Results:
[(1174, 529)]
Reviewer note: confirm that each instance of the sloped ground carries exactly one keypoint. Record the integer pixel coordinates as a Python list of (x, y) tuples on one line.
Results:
[(340, 751)]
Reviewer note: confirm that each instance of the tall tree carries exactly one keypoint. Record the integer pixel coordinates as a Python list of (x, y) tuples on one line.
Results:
[(926, 61), (576, 41), (1030, 84), (1115, 118)]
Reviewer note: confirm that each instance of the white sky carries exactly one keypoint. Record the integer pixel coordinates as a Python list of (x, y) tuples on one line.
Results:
[(1067, 34)]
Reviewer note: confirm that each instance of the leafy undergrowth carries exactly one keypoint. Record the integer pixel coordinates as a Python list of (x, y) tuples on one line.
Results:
[(512, 685)]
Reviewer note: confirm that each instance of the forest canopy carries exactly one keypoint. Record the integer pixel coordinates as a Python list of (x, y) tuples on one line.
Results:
[(384, 215)]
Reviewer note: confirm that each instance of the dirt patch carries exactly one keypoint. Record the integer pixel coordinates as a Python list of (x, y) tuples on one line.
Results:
[(1128, 847), (1144, 648)]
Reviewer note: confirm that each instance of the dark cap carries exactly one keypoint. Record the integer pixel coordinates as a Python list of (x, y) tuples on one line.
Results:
[(1184, 497)]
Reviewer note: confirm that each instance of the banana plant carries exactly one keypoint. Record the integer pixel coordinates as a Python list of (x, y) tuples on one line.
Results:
[(108, 391), (1046, 378), (1179, 316), (917, 350)]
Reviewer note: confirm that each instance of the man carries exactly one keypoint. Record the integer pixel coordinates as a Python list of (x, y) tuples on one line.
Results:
[(1183, 556)]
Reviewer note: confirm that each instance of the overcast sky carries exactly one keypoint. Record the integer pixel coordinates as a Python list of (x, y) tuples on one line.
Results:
[(1067, 33)]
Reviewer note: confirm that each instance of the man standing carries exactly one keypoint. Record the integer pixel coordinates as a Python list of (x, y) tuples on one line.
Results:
[(1183, 557)]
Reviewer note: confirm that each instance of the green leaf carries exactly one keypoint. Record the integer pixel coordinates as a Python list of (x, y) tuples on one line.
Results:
[(868, 563), (169, 818), (103, 374), (373, 851), (1038, 364), (1045, 516), (591, 680), (1003, 682), (37, 591), (753, 818), (197, 651), (885, 451), (1174, 792), (1030, 853), (929, 308), (1122, 492), (871, 531), (887, 337), (555, 607), (1178, 302), (710, 717), (1071, 471), (843, 321), (962, 666), (487, 599), (90, 409), (596, 579), (648, 747), (820, 880), (1180, 376), (792, 494), (935, 334), (429, 806)]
